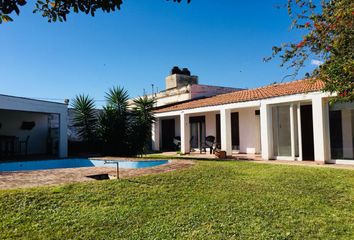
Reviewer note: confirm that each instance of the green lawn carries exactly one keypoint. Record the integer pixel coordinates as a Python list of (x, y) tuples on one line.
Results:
[(212, 200)]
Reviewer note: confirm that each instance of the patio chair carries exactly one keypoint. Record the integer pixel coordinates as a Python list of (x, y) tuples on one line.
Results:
[(208, 143), (177, 142), (217, 147)]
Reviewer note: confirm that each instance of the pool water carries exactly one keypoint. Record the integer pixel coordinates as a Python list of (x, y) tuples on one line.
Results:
[(74, 163)]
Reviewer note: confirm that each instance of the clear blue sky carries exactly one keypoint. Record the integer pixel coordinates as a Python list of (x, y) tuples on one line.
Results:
[(221, 41)]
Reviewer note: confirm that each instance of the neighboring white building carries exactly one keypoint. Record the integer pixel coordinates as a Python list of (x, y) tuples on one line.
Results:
[(288, 121), (181, 86), (24, 119)]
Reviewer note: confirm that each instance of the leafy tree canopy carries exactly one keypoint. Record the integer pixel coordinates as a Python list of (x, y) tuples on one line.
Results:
[(328, 36), (57, 10)]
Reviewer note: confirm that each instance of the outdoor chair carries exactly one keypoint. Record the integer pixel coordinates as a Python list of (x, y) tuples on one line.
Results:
[(208, 143), (177, 142)]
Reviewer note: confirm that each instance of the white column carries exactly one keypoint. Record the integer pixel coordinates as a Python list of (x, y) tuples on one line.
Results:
[(225, 131), (63, 134), (292, 131), (320, 130), (266, 131), (347, 133), (185, 133), (299, 134), (155, 135)]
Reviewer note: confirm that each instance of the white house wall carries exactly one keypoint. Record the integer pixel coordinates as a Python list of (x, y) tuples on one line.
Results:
[(249, 130), (11, 122), (210, 124)]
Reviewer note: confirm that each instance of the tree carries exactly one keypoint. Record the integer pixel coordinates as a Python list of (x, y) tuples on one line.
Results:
[(119, 129), (55, 10), (114, 127), (85, 118), (328, 28), (142, 120)]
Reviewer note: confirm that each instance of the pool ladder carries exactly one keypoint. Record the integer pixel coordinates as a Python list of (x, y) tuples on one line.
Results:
[(113, 162)]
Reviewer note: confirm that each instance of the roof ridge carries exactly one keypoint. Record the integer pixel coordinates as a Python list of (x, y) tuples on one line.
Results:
[(284, 83), (262, 87), (281, 89)]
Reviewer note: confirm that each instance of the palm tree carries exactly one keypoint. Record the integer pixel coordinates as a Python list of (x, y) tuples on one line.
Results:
[(143, 119), (85, 117), (117, 98), (142, 109), (114, 122)]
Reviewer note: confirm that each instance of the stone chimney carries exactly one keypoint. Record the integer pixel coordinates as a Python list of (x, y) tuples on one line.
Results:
[(180, 78)]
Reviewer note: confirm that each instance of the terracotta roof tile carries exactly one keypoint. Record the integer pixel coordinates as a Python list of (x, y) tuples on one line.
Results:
[(274, 90)]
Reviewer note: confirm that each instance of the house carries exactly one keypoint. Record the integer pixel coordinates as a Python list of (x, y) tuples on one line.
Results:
[(33, 127), (287, 121)]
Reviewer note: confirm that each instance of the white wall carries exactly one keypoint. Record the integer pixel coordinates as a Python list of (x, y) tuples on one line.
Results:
[(249, 126), (210, 124), (155, 135), (11, 122)]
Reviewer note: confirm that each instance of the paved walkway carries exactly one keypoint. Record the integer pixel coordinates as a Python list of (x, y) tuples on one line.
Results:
[(25, 179), (254, 158), (207, 155)]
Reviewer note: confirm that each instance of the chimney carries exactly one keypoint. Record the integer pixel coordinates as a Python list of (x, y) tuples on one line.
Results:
[(180, 78)]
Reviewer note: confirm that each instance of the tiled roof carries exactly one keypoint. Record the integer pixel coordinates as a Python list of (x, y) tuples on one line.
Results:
[(274, 90)]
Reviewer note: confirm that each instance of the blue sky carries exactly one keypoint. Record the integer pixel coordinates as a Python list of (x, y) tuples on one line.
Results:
[(222, 41)]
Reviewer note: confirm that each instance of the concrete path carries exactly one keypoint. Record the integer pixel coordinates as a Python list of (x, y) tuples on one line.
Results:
[(25, 179)]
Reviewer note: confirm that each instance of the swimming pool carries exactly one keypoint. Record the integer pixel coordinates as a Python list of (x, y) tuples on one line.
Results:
[(74, 163)]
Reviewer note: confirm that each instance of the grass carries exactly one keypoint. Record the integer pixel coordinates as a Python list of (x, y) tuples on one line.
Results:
[(212, 200)]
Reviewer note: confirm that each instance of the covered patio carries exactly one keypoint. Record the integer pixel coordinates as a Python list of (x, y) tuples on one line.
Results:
[(31, 127), (243, 135)]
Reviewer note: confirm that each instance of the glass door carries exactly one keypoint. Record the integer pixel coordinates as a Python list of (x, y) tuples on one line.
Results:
[(286, 131), (194, 134), (341, 125), (281, 131), (197, 131)]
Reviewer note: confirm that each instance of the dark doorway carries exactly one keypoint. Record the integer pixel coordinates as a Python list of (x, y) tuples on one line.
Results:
[(218, 130), (168, 134), (308, 152), (335, 129), (235, 131)]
